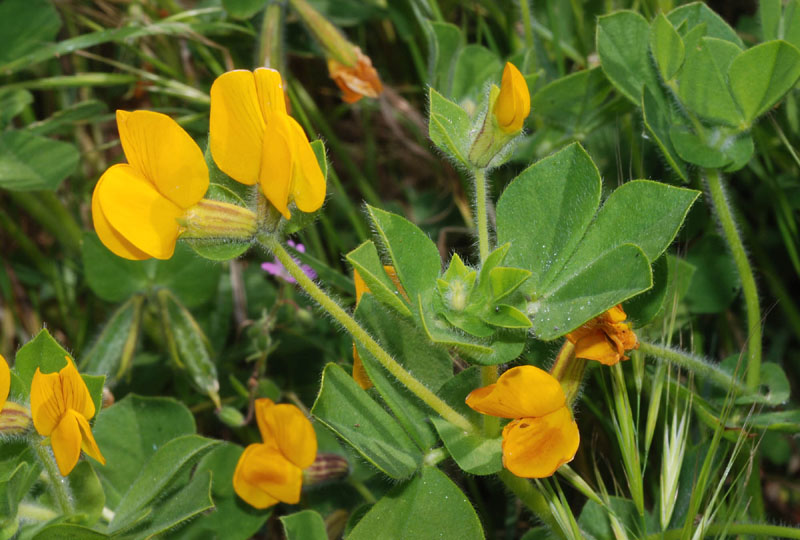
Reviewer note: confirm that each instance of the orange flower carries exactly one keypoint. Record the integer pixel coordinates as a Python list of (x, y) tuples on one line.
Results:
[(359, 373), (5, 381), (355, 82), (271, 472), (605, 338), (61, 407), (543, 436)]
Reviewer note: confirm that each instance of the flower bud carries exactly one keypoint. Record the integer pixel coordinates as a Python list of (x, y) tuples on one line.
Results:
[(15, 419), (326, 468), (211, 219), (231, 417)]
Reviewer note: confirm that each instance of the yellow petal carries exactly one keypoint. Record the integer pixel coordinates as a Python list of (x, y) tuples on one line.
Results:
[(139, 212), (88, 444), (270, 91), (236, 126), (115, 242), (359, 373), (66, 441), (263, 477), (615, 315), (595, 345), (47, 402), (523, 391), (361, 286), (76, 394), (277, 164), (513, 103), (5, 381), (286, 428), (536, 447), (308, 183), (158, 148)]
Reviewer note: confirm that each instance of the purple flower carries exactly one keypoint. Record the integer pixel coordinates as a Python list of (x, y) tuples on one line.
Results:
[(277, 269)]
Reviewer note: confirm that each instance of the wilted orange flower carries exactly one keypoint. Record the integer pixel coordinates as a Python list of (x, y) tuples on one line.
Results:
[(513, 104), (61, 407), (605, 338), (271, 472), (355, 82), (543, 436)]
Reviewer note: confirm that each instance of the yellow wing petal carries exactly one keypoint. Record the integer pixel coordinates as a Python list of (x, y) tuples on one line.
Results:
[(47, 402), (236, 126), (76, 394), (66, 442), (115, 242), (244, 487), (165, 155), (138, 212), (520, 392), (308, 183), (88, 444), (270, 91), (290, 431), (536, 447), (5, 381), (277, 163), (262, 474)]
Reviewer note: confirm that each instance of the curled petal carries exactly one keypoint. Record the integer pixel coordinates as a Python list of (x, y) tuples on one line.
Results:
[(163, 153), (523, 391), (604, 338), (360, 80), (595, 345), (264, 477), (536, 447), (286, 428), (88, 444), (5, 381), (66, 441), (138, 211), (236, 126), (115, 242)]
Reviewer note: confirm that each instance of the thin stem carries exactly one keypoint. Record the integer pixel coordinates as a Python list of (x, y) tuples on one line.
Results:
[(362, 336), (525, 10), (530, 497), (481, 213), (755, 529), (725, 215), (58, 483), (270, 51)]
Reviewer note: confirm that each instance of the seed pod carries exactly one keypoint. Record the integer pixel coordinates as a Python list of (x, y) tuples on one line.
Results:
[(326, 468), (112, 352)]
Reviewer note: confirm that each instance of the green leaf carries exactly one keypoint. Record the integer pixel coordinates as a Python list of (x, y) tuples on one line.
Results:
[(157, 476), (64, 120), (130, 432), (791, 23), (112, 351), (641, 212), (87, 492), (698, 14), (12, 103), (577, 103), (25, 26), (644, 307), (19, 471), (504, 281), (243, 9), (191, 278), (367, 262), (444, 43), (414, 256), (769, 13), (476, 65), (232, 519), (715, 282), (449, 127), (505, 316), (179, 508), (704, 81), (761, 76), (110, 277), (68, 531), (427, 507), (666, 46), (29, 162), (305, 525), (777, 385), (594, 519), (658, 119), (349, 412), (623, 44), (730, 150)]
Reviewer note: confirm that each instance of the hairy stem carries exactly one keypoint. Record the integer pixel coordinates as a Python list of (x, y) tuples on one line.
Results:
[(58, 484)]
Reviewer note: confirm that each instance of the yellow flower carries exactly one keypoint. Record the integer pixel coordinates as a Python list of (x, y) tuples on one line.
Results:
[(254, 140), (61, 408), (357, 81), (543, 436), (136, 205), (5, 381), (271, 472), (605, 338), (513, 104)]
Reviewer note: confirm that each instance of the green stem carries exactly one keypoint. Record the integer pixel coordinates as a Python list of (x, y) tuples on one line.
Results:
[(695, 364), (530, 497), (481, 213), (755, 529), (361, 335), (725, 215), (34, 512), (525, 9), (58, 483), (270, 51)]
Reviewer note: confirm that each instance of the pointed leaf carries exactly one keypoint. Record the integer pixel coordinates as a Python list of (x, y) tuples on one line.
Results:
[(666, 47), (658, 119), (704, 81), (699, 14), (367, 262), (305, 525)]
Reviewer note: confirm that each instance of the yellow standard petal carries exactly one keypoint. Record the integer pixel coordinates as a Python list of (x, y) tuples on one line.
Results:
[(236, 126), (47, 402), (278, 164), (513, 104), (520, 392), (269, 89), (5, 381), (138, 211), (263, 477), (76, 394), (66, 441), (286, 428), (163, 153), (115, 242), (536, 447)]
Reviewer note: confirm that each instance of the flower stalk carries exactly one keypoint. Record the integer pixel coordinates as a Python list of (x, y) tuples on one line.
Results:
[(58, 483)]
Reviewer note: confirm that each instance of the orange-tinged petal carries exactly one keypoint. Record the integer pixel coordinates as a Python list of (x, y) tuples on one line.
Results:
[(595, 345), (76, 394), (361, 286), (523, 391), (88, 444), (66, 442), (308, 183), (47, 402), (138, 211), (290, 430), (158, 148), (615, 315), (269, 89), (236, 126), (5, 381), (359, 373), (115, 242), (536, 447), (263, 470), (277, 164)]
